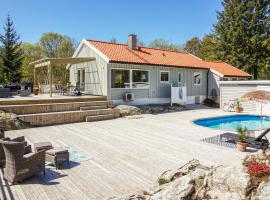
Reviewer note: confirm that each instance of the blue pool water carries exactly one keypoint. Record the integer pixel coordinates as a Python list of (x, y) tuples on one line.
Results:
[(230, 123)]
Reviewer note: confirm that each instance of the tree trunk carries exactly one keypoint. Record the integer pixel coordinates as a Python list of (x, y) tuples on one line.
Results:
[(255, 73)]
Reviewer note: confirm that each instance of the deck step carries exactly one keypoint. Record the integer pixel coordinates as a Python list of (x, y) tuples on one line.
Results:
[(53, 107), (93, 107), (41, 100), (53, 118), (99, 117)]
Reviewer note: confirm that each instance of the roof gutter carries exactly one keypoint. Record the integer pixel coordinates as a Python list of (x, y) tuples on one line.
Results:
[(184, 67)]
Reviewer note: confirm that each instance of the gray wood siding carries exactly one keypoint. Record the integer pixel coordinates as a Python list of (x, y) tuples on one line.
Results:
[(213, 84), (158, 89), (230, 92), (95, 72), (117, 94)]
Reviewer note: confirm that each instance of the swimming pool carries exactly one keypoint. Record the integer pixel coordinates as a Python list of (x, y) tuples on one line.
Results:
[(230, 123)]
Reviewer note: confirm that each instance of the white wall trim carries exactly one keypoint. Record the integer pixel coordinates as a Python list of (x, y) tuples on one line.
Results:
[(217, 73), (142, 101), (145, 101), (169, 76), (201, 78), (96, 50), (77, 51), (86, 43)]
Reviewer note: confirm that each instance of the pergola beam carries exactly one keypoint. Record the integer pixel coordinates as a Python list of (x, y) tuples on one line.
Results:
[(61, 61)]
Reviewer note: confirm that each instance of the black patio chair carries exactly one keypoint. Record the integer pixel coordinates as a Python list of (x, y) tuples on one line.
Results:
[(260, 142)]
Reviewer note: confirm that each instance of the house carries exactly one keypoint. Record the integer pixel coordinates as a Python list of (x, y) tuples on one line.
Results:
[(146, 73), (232, 90), (220, 71)]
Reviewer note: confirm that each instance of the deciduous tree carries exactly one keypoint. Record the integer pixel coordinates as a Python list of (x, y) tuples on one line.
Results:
[(32, 52), (193, 46), (208, 49), (54, 45), (164, 45)]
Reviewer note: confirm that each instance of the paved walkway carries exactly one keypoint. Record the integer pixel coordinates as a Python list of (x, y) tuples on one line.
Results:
[(128, 154)]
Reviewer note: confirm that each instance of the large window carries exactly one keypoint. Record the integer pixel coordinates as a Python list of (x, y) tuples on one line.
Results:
[(120, 78), (164, 76), (124, 78), (140, 79), (197, 78)]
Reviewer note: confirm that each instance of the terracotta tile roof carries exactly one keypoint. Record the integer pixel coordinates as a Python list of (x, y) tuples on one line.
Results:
[(144, 55), (226, 69), (151, 56)]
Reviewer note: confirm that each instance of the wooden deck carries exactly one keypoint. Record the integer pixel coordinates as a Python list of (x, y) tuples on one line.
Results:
[(128, 155), (45, 99)]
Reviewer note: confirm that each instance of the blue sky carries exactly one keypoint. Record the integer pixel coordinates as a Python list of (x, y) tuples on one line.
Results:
[(175, 20)]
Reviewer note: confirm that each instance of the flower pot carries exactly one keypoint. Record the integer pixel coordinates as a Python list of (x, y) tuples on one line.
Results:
[(241, 146), (238, 109), (36, 91)]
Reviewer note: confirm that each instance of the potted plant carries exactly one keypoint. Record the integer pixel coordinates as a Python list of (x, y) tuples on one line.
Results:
[(241, 139), (238, 106), (35, 90)]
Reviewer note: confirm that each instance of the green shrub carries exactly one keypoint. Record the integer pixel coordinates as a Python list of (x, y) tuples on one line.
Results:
[(162, 181)]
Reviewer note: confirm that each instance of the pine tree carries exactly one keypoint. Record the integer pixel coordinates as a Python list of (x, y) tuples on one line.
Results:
[(258, 31), (1, 68), (12, 54), (242, 31)]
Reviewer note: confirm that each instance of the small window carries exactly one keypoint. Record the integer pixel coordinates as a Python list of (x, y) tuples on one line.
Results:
[(78, 76), (179, 77), (164, 76), (197, 78), (120, 78), (140, 79), (83, 75)]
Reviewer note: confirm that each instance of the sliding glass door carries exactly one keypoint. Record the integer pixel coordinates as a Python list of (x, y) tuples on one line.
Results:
[(81, 79)]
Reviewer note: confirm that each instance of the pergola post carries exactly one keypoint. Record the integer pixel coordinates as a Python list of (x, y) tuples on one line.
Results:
[(35, 78), (50, 78)]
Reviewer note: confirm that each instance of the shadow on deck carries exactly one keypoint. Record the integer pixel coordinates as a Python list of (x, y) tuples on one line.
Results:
[(49, 179)]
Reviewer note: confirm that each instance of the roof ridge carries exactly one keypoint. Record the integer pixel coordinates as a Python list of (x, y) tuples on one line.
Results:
[(138, 46), (106, 42), (195, 56), (215, 61), (165, 50)]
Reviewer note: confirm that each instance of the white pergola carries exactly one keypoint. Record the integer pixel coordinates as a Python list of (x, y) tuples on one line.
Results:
[(50, 62)]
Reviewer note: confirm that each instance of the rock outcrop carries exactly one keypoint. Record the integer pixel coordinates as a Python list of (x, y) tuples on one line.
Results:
[(195, 181), (9, 121), (262, 192), (126, 110)]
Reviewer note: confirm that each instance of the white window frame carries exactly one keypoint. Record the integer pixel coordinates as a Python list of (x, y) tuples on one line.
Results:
[(131, 79), (169, 76), (200, 76), (111, 77), (181, 77)]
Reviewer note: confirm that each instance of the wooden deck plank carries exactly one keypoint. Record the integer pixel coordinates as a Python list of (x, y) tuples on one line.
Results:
[(128, 154)]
